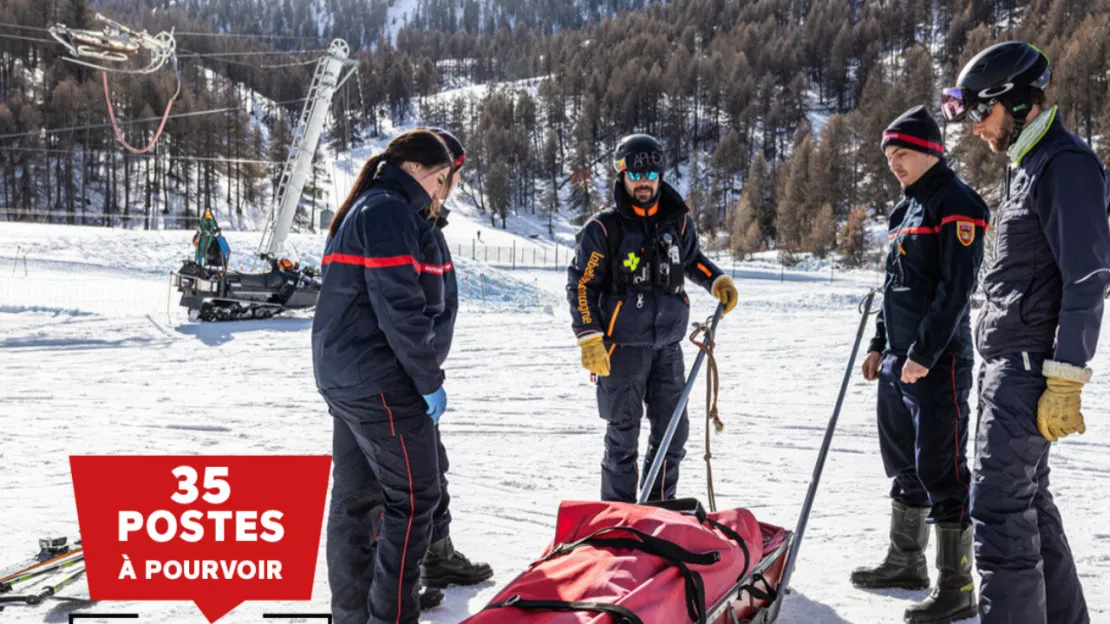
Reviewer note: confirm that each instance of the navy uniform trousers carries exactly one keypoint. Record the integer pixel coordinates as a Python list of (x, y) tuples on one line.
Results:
[(923, 436), (1028, 573), (641, 376), (384, 448)]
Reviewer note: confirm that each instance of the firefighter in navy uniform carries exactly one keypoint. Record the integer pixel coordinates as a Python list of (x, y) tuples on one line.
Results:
[(1036, 333), (626, 290), (922, 356), (377, 352)]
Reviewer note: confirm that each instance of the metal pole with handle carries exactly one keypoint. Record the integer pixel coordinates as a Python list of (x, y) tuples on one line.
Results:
[(665, 443), (800, 530)]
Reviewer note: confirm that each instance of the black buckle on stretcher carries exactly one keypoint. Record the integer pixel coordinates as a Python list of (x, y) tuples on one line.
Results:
[(621, 615)]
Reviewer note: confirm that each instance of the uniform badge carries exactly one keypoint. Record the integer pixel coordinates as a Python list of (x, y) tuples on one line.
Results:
[(965, 232)]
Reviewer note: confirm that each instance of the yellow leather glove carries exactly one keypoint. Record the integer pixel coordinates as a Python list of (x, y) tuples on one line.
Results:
[(725, 291), (594, 356), (1058, 411)]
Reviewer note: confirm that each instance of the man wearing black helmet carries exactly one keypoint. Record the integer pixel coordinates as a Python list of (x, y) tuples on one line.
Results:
[(630, 313), (1036, 333), (922, 356)]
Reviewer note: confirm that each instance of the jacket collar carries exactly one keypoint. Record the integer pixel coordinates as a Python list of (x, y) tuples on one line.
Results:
[(1032, 135), (393, 178), (671, 206), (929, 181)]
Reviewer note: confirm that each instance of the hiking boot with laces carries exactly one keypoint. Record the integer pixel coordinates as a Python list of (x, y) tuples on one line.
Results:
[(445, 566)]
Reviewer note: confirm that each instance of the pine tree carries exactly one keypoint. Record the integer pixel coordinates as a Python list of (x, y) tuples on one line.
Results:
[(749, 224), (853, 237), (794, 211), (831, 178), (822, 238)]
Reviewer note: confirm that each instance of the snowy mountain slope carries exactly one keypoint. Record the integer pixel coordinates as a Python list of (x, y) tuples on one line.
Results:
[(113, 381)]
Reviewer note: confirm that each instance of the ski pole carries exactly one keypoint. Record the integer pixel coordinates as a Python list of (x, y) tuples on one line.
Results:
[(665, 443), (45, 592), (38, 563), (36, 572), (800, 530)]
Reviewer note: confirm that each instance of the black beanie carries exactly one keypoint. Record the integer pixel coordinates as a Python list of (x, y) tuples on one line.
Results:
[(917, 130)]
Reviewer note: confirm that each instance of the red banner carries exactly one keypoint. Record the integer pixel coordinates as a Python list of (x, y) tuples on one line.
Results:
[(217, 530)]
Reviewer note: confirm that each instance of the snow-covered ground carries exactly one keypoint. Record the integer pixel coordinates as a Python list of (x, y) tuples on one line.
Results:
[(97, 358)]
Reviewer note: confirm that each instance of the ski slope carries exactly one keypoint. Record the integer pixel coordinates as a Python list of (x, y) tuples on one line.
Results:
[(97, 358)]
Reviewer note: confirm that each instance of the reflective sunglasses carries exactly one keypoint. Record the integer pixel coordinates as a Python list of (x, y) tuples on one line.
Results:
[(955, 106), (637, 176)]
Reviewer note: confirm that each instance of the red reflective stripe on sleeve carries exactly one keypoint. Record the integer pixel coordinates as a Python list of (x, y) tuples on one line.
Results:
[(936, 230), (950, 218), (437, 269), (371, 263), (385, 263)]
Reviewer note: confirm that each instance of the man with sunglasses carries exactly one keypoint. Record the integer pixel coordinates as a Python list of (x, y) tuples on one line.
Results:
[(1036, 333), (630, 312), (922, 356)]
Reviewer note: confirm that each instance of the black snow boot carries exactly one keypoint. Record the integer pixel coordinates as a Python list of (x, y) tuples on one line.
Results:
[(954, 596), (445, 566), (430, 598), (905, 566)]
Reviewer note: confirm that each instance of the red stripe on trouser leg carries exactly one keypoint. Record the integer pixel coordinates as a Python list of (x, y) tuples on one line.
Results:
[(392, 431), (405, 549), (956, 434)]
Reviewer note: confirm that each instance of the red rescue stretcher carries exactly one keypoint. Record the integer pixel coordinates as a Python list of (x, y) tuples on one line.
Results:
[(659, 562), (663, 562)]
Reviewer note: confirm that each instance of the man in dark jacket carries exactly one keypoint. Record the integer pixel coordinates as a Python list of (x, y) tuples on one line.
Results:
[(630, 313), (922, 356), (1036, 333)]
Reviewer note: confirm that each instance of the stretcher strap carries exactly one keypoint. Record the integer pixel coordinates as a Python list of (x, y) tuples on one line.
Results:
[(664, 549), (734, 536), (621, 615), (770, 595), (693, 507)]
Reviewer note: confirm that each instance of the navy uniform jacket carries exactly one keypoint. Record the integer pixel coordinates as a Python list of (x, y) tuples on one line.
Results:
[(383, 320), (1046, 285), (936, 248), (628, 314)]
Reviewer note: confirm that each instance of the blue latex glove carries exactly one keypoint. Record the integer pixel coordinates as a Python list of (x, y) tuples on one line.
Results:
[(437, 404)]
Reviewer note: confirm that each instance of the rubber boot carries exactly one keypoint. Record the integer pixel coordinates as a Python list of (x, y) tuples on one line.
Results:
[(905, 566), (445, 566), (953, 598)]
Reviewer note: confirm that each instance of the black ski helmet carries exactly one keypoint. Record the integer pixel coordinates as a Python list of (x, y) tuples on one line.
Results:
[(639, 153), (1010, 73)]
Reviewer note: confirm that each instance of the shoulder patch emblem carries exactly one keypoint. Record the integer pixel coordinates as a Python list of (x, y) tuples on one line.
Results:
[(965, 232)]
